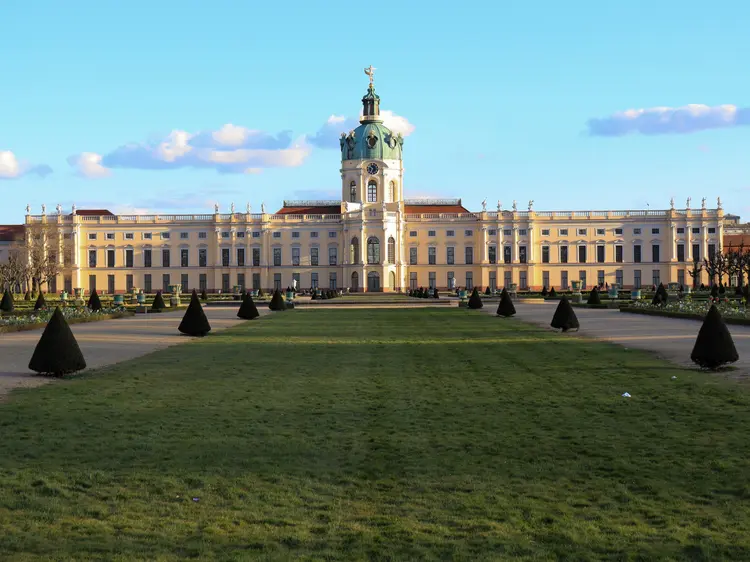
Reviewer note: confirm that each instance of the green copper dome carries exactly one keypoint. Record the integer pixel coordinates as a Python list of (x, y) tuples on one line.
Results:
[(371, 140)]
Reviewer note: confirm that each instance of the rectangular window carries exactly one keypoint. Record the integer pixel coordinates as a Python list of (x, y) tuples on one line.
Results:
[(277, 281), (545, 255), (332, 234), (129, 282), (618, 277), (332, 255), (618, 253), (225, 257), (111, 284), (256, 234), (432, 280), (147, 283), (468, 233), (295, 256), (184, 283), (522, 254), (582, 278), (225, 234), (277, 257), (581, 254), (522, 232), (313, 235), (202, 285), (450, 256), (412, 233), (295, 234), (655, 253), (469, 280), (241, 257), (128, 236), (637, 279), (581, 232), (493, 280), (129, 257), (680, 230), (563, 232), (507, 258), (412, 256), (492, 252), (332, 280), (92, 235), (147, 236), (165, 235), (413, 280), (432, 255), (256, 281), (563, 254), (636, 231), (451, 280), (165, 283), (492, 232), (600, 232), (523, 283), (256, 258), (277, 234), (241, 280), (681, 276), (600, 254), (203, 235), (654, 231), (508, 279), (545, 232), (147, 257), (225, 282), (241, 234), (564, 280), (680, 252), (183, 235), (469, 255), (165, 258), (110, 236), (600, 277), (110, 258), (545, 279), (696, 230), (202, 257), (637, 253), (450, 233), (296, 282), (711, 230), (507, 232), (314, 256), (314, 280), (711, 251), (618, 231), (184, 257), (430, 233), (655, 277), (696, 252)]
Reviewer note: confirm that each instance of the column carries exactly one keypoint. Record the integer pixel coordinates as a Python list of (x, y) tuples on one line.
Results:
[(485, 257)]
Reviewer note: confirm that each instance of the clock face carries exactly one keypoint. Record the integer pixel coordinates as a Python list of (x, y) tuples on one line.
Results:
[(372, 169)]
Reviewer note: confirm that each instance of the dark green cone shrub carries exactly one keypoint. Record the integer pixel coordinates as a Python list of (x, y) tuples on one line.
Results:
[(475, 301), (248, 310), (552, 293), (715, 291), (565, 317), (57, 352), (544, 291), (594, 297), (435, 294), (94, 303), (204, 295), (487, 291), (40, 304), (505, 308), (194, 323), (277, 302), (158, 303), (714, 346), (6, 305), (660, 296)]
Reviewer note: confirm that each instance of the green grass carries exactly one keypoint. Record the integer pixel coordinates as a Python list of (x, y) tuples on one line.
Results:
[(430, 434)]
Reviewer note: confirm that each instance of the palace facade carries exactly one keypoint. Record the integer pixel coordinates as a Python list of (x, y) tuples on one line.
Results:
[(372, 239)]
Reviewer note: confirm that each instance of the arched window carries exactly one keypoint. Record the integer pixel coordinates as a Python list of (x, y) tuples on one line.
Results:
[(373, 250), (372, 192), (355, 282), (353, 192), (354, 250), (392, 194), (391, 250)]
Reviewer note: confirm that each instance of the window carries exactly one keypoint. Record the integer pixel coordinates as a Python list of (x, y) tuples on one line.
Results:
[(295, 256), (147, 283), (563, 254), (563, 232), (256, 257), (469, 280), (225, 257), (696, 252), (314, 280), (391, 249), (618, 231), (412, 233), (110, 258), (111, 284), (656, 277), (600, 277), (147, 236), (277, 257), (581, 254), (680, 252), (225, 234), (545, 256), (183, 235), (522, 232), (564, 279), (522, 254), (184, 282), (696, 230), (507, 232), (451, 280), (332, 234), (636, 231), (203, 235), (431, 280), (618, 277), (432, 255), (372, 192), (202, 257), (256, 234), (354, 256), (545, 232), (313, 235), (637, 253), (147, 257), (225, 282), (468, 233), (711, 251), (241, 234), (110, 236), (450, 255), (654, 231), (637, 279), (92, 258), (545, 278), (295, 234), (184, 257), (128, 236), (165, 235), (277, 281), (430, 233), (241, 280), (492, 232), (450, 233), (600, 254), (413, 280), (256, 281), (412, 256), (241, 260), (581, 232), (129, 257), (655, 253), (165, 258), (492, 254), (332, 280), (582, 278), (469, 255), (314, 256), (296, 280), (507, 257), (332, 255), (680, 230), (277, 234), (600, 232), (618, 253), (523, 283), (353, 192), (392, 191), (711, 230), (92, 235), (165, 282), (373, 250)]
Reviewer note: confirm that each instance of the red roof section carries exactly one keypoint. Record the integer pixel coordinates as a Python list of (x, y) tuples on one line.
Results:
[(94, 212), (11, 232), (418, 209), (735, 240), (322, 210)]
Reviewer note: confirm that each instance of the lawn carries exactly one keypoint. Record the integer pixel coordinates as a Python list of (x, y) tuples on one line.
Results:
[(430, 434)]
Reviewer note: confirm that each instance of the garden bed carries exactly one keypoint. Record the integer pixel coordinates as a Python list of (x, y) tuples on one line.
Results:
[(73, 316), (688, 315)]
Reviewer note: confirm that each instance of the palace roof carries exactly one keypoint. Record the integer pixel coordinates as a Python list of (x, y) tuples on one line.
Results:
[(309, 210), (94, 212), (419, 206), (11, 232)]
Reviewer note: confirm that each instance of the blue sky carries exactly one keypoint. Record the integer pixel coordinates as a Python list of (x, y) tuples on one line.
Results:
[(108, 103)]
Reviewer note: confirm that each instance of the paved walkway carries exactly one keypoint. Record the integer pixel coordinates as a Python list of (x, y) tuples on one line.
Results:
[(670, 338), (106, 342)]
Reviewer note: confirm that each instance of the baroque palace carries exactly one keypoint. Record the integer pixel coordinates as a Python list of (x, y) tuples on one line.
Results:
[(371, 240)]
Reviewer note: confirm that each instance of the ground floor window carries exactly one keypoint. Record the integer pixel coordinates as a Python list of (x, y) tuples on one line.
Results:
[(332, 281), (493, 281), (147, 283), (451, 280), (314, 280), (256, 281), (355, 282), (202, 285), (277, 281), (432, 280), (413, 280), (225, 282), (656, 277), (582, 278), (681, 277), (184, 283), (129, 282), (68, 284), (564, 280), (522, 281), (296, 281), (165, 282), (241, 281), (52, 285), (111, 284), (508, 279), (618, 278), (600, 277), (637, 279), (545, 279), (469, 280), (92, 283)]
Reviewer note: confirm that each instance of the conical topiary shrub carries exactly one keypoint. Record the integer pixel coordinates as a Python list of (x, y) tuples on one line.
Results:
[(57, 352), (94, 303), (544, 291), (475, 301), (277, 302), (158, 303), (505, 308), (435, 294), (714, 346), (204, 295), (427, 294), (487, 291), (27, 296), (660, 296), (594, 297), (7, 305), (715, 291), (40, 303), (194, 323), (565, 317), (248, 310), (552, 293)]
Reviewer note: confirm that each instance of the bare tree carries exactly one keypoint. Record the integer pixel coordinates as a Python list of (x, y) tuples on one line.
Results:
[(695, 272), (44, 244), (13, 272)]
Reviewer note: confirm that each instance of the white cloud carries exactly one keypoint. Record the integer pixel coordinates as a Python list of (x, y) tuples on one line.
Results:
[(12, 168), (397, 123), (89, 165), (328, 135), (669, 120)]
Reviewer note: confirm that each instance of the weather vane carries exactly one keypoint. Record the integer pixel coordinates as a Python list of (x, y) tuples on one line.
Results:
[(370, 71)]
